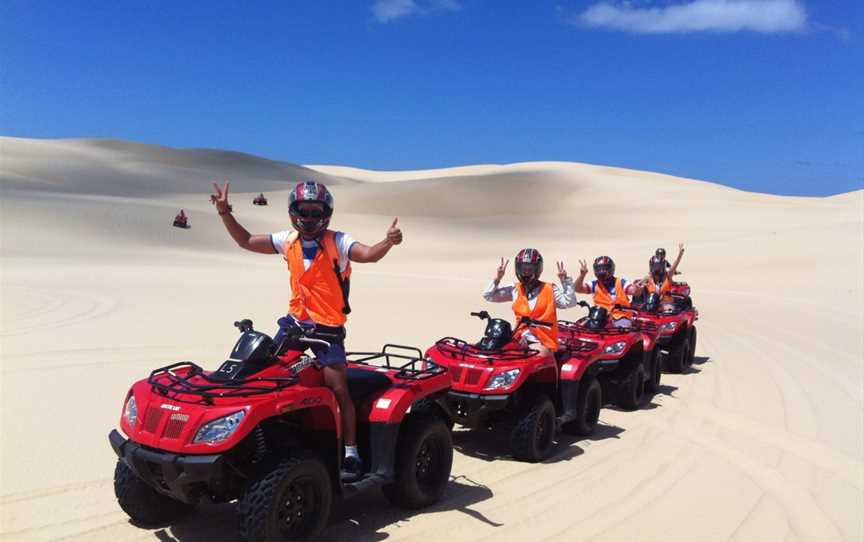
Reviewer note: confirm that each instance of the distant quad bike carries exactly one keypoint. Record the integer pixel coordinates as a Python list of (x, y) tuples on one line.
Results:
[(264, 430), (259, 200), (608, 364), (498, 381), (181, 221), (675, 318)]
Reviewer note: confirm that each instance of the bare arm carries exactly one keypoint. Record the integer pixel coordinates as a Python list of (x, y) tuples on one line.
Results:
[(361, 253), (674, 268), (580, 286), (259, 243), (254, 243)]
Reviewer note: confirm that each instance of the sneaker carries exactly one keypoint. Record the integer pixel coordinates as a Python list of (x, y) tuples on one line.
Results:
[(352, 469)]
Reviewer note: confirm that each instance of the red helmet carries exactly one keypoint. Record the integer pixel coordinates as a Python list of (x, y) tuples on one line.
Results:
[(529, 266), (311, 222), (604, 268)]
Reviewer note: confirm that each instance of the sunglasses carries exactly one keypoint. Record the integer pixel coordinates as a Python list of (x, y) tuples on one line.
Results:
[(311, 212)]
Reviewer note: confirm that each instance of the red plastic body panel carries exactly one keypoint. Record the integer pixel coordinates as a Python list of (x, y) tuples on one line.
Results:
[(171, 423)]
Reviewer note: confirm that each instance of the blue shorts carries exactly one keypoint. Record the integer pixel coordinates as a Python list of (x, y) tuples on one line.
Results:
[(326, 356)]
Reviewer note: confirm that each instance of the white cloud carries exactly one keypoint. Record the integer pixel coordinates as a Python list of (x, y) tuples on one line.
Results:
[(765, 16), (390, 10)]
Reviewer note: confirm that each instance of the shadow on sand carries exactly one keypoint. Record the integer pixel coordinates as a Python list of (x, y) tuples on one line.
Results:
[(357, 520), (494, 444)]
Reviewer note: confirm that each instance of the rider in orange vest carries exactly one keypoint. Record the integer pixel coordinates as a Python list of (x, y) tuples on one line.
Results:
[(659, 278), (533, 298), (319, 266), (608, 290)]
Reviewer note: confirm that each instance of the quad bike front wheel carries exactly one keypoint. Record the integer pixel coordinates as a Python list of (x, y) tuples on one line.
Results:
[(631, 391), (142, 503), (589, 400), (678, 356), (692, 354), (533, 436), (424, 456), (289, 503)]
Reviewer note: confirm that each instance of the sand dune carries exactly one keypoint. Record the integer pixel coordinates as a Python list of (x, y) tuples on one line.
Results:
[(763, 440)]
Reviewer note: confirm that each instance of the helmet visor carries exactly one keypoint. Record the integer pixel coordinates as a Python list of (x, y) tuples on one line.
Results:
[(526, 272)]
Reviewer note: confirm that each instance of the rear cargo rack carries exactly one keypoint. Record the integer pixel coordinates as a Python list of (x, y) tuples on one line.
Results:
[(394, 361), (165, 380), (459, 349)]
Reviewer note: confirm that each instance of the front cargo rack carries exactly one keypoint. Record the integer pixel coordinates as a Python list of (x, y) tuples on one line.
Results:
[(459, 349), (166, 380), (580, 326), (394, 361)]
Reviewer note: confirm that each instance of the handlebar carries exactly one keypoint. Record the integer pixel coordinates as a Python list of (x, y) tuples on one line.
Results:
[(525, 321)]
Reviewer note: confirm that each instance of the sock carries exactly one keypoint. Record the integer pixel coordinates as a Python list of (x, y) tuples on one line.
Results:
[(351, 451)]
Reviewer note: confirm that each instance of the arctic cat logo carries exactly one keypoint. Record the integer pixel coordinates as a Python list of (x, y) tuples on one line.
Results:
[(304, 363), (173, 408)]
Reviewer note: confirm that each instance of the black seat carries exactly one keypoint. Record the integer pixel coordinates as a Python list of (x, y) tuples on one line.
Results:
[(362, 383)]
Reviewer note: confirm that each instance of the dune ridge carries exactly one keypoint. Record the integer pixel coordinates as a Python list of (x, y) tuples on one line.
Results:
[(763, 440)]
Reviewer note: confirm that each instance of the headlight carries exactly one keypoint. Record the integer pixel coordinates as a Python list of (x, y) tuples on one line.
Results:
[(616, 348), (219, 429), (669, 326), (130, 411), (503, 380)]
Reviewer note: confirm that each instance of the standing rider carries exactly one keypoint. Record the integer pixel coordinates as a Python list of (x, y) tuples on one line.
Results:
[(608, 290), (533, 298), (319, 266)]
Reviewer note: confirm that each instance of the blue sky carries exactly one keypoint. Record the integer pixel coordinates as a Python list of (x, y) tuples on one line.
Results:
[(763, 95)]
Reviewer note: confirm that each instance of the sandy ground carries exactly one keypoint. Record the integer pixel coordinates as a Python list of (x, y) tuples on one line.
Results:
[(762, 440)]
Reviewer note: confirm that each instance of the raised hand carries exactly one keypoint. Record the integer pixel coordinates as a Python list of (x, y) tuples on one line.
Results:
[(583, 267), (562, 272), (220, 198), (680, 248), (499, 273), (394, 234)]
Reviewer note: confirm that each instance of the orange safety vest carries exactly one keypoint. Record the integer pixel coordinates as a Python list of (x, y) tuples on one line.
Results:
[(544, 310), (316, 293), (602, 298), (665, 288)]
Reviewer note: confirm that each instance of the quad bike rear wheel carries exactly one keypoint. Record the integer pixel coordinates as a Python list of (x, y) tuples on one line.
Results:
[(429, 407), (631, 391), (289, 503), (589, 400), (532, 438), (142, 503), (424, 457), (657, 359)]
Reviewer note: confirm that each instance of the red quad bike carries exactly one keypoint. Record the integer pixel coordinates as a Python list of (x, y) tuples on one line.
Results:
[(499, 381), (259, 200), (675, 319), (608, 364), (181, 221), (264, 430)]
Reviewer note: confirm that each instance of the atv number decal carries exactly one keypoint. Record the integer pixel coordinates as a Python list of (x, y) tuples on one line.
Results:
[(229, 368)]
